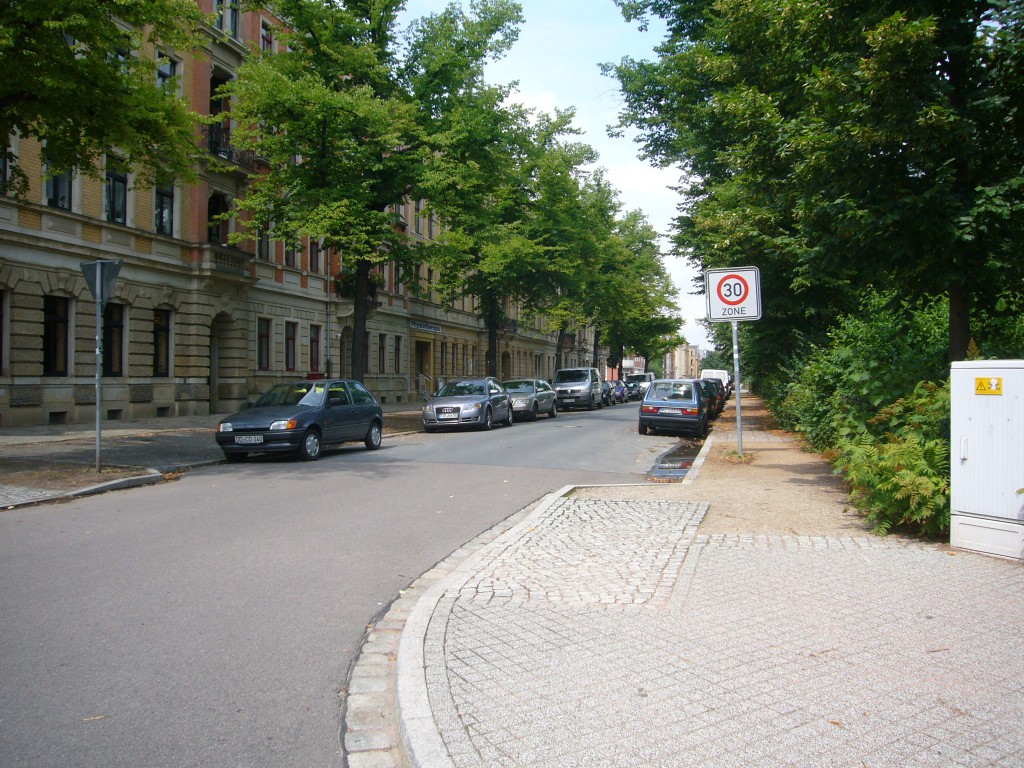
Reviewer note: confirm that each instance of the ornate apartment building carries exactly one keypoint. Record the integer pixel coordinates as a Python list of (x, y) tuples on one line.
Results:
[(196, 326)]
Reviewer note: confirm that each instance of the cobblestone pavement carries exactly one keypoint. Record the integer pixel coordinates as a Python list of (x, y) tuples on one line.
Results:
[(635, 626), (609, 633)]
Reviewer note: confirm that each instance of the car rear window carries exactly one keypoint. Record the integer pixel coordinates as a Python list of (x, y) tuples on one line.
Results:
[(670, 390)]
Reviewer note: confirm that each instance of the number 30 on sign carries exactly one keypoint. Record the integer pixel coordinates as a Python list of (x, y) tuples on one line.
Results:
[(733, 294)]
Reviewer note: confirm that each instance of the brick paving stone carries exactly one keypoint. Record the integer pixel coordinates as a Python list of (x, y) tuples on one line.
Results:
[(610, 634)]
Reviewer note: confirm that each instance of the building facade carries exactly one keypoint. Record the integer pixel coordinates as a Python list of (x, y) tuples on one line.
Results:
[(196, 325), (683, 362)]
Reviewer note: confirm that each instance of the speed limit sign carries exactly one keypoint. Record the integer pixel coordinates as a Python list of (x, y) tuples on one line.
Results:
[(733, 294)]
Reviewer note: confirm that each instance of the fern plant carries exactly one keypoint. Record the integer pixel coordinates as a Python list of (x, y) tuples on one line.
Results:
[(898, 468)]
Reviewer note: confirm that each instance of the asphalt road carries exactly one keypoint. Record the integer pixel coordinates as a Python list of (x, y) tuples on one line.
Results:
[(211, 621)]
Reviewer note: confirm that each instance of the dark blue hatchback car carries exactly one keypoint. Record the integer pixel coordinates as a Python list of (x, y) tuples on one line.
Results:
[(674, 405), (303, 417)]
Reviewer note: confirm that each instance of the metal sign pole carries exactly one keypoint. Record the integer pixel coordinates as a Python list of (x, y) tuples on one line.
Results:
[(99, 357), (100, 276), (736, 378)]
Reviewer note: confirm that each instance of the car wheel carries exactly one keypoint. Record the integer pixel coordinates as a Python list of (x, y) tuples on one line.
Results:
[(705, 429), (373, 437), (534, 413), (642, 428), (591, 405), (509, 419), (309, 448), (554, 410), (235, 458), (488, 419)]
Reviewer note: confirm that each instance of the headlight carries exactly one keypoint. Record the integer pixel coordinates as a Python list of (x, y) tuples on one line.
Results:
[(520, 401), (428, 409), (282, 424), (471, 407), (225, 427)]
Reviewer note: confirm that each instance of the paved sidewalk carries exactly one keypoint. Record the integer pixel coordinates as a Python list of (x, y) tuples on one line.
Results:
[(605, 627)]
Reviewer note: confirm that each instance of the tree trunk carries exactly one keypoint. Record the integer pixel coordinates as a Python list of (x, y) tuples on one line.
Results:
[(360, 301), (491, 320), (959, 323), (597, 347), (560, 347)]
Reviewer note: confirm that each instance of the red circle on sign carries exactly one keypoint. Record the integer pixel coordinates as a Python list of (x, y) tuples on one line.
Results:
[(734, 301)]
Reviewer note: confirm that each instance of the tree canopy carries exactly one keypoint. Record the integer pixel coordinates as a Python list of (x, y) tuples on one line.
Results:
[(78, 77), (337, 133), (838, 146)]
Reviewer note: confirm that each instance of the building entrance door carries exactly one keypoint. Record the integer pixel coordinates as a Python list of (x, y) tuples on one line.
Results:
[(425, 384)]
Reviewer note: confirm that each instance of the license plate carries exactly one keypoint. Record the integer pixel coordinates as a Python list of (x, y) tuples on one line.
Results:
[(569, 399), (248, 439), (676, 411), (448, 413)]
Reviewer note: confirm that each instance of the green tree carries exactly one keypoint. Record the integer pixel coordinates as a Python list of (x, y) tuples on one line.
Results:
[(479, 176), (840, 145), (640, 312), (338, 134), (74, 78)]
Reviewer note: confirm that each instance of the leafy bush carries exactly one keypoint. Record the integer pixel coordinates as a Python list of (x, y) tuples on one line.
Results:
[(874, 358), (898, 467)]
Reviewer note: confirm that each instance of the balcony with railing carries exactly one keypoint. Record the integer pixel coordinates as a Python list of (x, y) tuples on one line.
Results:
[(225, 262), (217, 140)]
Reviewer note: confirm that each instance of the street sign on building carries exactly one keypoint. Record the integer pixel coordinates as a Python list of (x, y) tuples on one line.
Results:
[(733, 294)]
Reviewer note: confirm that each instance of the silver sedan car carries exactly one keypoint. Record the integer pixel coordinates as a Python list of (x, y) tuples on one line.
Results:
[(468, 403), (531, 397)]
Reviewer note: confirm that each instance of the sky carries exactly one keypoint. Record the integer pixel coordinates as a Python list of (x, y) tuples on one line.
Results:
[(556, 63)]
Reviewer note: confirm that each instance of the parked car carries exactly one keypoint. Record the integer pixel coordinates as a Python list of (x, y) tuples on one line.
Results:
[(578, 388), (468, 403), (607, 395), (717, 396), (633, 390), (531, 397), (674, 405), (303, 417), (619, 391), (642, 380)]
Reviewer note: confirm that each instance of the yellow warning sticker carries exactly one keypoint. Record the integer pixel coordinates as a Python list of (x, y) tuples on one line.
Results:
[(988, 385)]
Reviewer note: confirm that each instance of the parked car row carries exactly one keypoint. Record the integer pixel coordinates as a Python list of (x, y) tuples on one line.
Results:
[(682, 406), (305, 416), (482, 402)]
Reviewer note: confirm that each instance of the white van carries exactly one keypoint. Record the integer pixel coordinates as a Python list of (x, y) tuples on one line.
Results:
[(578, 388), (721, 375)]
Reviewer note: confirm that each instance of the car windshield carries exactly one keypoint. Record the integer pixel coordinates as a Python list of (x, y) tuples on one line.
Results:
[(462, 389), (301, 393), (636, 378), (518, 387), (670, 390), (564, 377)]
